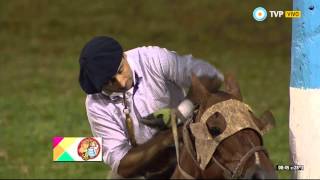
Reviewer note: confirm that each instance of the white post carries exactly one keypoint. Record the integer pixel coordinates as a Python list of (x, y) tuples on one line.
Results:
[(304, 122)]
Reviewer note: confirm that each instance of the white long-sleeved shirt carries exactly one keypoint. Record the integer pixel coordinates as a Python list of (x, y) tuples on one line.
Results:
[(159, 76)]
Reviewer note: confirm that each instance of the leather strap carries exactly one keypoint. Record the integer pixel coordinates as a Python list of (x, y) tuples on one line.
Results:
[(176, 143), (129, 122)]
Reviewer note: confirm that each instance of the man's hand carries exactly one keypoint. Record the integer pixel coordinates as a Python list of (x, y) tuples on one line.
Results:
[(154, 122)]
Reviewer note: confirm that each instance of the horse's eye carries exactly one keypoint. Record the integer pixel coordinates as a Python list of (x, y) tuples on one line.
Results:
[(215, 131), (216, 124)]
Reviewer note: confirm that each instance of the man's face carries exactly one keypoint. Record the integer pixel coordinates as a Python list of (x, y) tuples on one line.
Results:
[(122, 81)]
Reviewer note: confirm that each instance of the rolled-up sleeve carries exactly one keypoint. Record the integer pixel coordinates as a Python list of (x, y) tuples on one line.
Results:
[(115, 144), (179, 68)]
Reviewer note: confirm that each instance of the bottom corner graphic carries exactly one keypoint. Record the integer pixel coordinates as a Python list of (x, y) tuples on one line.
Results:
[(77, 149)]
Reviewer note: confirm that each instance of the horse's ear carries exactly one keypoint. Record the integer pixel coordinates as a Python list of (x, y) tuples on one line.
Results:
[(197, 92), (266, 121), (232, 86)]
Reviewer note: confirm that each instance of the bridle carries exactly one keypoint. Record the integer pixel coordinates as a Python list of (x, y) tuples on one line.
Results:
[(238, 171)]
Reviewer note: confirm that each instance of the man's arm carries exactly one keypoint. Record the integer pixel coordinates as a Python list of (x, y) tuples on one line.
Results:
[(125, 160), (179, 69), (141, 158)]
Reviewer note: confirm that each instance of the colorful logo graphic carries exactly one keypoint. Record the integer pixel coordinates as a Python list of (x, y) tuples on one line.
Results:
[(259, 14), (77, 149), (88, 148)]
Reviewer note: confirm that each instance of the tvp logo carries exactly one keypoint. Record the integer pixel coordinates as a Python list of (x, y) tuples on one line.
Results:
[(259, 14), (287, 14)]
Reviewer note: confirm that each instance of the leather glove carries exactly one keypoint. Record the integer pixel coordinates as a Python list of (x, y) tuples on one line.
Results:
[(155, 121)]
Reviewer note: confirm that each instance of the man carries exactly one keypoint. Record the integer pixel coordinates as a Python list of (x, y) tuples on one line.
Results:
[(124, 87)]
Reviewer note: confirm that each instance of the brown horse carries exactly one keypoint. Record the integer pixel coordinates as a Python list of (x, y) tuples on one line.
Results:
[(224, 139)]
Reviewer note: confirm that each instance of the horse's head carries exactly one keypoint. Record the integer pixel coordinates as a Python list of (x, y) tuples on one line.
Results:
[(227, 135)]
